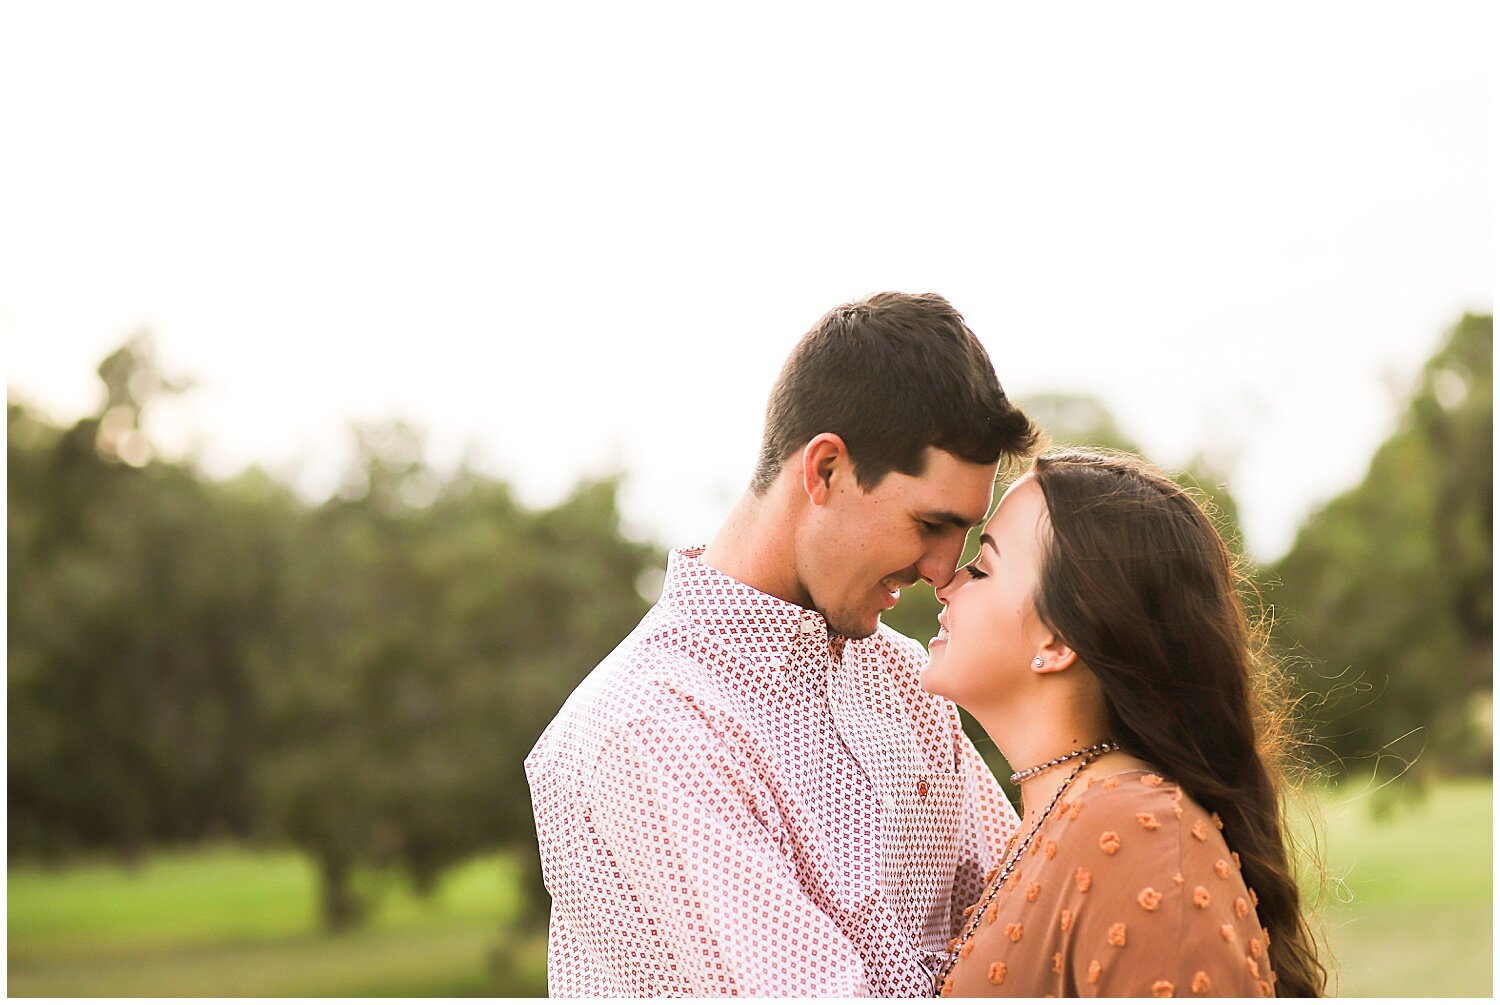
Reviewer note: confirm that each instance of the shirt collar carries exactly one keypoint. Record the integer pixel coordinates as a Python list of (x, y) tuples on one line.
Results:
[(770, 632)]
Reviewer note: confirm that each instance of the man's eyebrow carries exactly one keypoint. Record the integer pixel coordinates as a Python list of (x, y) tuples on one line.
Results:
[(950, 517)]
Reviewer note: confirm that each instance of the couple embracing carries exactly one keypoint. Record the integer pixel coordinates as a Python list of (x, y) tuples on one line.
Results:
[(765, 792)]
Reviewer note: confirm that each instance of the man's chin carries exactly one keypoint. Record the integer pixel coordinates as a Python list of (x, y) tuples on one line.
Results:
[(851, 629)]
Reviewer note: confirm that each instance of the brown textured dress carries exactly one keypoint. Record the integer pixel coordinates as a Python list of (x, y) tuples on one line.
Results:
[(1127, 890)]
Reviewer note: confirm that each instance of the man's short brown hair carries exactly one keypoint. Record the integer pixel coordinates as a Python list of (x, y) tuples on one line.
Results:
[(892, 375)]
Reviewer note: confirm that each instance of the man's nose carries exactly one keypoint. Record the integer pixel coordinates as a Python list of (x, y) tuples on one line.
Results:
[(940, 580), (939, 565)]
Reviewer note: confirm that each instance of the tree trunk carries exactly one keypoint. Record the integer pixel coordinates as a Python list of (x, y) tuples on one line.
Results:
[(343, 909)]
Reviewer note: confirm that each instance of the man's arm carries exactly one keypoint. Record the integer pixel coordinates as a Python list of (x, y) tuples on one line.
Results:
[(683, 884)]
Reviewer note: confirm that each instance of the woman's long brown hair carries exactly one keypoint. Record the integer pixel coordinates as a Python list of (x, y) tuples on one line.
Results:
[(1139, 583)]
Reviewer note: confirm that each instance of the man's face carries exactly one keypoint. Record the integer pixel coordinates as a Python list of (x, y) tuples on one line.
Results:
[(859, 548)]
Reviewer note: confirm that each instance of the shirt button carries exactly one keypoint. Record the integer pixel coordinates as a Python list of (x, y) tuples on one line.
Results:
[(808, 626), (922, 787)]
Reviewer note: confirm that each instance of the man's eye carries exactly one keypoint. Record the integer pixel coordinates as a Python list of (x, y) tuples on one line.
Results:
[(930, 527)]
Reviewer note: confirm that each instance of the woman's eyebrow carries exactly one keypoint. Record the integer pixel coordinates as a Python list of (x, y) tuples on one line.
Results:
[(985, 539)]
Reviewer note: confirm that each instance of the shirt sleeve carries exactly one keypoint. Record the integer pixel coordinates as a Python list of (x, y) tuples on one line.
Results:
[(1156, 914), (683, 879)]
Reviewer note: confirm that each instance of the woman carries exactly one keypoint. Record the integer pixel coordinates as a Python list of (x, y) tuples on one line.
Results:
[(1099, 639)]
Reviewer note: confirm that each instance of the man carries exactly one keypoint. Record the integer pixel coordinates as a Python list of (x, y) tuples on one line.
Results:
[(752, 795)]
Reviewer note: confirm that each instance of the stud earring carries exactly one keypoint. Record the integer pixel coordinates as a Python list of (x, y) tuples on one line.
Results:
[(1037, 662)]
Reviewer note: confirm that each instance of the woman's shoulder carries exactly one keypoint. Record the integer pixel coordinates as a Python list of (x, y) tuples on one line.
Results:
[(1124, 795), (1139, 827), (1134, 809), (1153, 892)]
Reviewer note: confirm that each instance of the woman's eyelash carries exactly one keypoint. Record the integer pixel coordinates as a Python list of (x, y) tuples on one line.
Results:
[(973, 570)]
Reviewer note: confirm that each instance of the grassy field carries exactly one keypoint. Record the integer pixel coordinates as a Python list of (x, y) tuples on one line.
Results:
[(232, 922), (1409, 906), (1409, 914)]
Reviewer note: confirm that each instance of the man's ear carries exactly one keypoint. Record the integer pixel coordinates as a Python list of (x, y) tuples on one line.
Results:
[(1053, 655), (824, 458)]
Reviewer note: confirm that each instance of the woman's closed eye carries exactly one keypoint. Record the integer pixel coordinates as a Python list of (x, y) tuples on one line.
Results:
[(973, 570)]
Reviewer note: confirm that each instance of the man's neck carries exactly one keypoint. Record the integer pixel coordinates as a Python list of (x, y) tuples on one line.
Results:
[(756, 546)]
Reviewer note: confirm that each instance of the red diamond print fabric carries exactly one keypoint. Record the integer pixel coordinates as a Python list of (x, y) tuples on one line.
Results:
[(733, 803)]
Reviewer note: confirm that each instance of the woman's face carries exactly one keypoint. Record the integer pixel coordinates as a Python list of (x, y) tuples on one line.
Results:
[(989, 630)]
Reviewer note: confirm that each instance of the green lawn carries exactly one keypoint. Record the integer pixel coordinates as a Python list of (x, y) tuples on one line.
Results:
[(233, 922), (1409, 911), (1409, 915)]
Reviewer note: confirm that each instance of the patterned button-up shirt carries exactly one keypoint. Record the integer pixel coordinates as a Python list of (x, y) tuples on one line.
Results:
[(734, 803)]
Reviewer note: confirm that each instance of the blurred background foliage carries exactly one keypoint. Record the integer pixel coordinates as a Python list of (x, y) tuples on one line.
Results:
[(322, 709), (1384, 603)]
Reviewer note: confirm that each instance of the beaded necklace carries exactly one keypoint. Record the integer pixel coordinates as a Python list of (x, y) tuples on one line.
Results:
[(1099, 748)]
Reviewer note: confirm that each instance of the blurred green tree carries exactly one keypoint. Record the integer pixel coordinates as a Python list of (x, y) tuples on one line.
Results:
[(1385, 599), (191, 657), (431, 630), (134, 591)]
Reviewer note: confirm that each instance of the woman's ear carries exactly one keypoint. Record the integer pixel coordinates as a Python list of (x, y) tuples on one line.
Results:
[(1053, 655)]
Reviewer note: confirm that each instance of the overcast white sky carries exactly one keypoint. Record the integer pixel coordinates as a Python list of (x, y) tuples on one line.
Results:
[(575, 237)]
